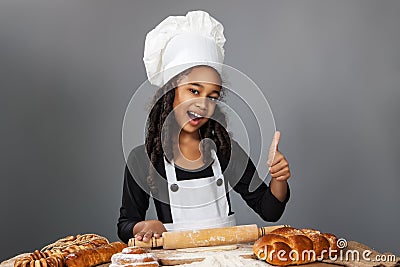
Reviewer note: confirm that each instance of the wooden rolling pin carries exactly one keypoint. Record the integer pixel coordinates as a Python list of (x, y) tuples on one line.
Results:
[(206, 237)]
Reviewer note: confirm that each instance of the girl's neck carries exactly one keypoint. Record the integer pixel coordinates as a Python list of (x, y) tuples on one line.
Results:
[(187, 153), (188, 138)]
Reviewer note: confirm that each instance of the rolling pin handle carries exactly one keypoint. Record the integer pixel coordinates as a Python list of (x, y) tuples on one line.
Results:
[(153, 243)]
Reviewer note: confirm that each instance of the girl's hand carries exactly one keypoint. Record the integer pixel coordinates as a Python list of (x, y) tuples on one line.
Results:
[(278, 165), (145, 230)]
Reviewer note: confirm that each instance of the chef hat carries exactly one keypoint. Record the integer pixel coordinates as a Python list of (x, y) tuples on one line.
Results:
[(181, 42)]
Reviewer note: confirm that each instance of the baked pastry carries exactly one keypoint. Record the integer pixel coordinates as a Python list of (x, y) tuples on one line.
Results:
[(94, 256), (76, 243), (55, 254), (41, 259), (134, 256), (286, 246)]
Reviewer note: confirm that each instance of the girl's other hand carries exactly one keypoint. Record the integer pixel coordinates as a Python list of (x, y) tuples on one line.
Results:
[(278, 165), (145, 230)]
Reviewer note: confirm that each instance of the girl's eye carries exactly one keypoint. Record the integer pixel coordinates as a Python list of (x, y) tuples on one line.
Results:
[(213, 98), (194, 91)]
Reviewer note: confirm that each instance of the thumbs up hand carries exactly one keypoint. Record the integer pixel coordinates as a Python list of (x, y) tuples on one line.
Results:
[(278, 165)]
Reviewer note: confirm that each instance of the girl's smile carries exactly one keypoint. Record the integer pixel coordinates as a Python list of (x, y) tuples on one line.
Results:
[(194, 118)]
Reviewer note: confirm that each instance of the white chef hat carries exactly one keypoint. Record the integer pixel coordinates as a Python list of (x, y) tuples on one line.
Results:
[(181, 42)]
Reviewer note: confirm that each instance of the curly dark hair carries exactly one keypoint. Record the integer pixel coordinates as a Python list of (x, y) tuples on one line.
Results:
[(156, 139)]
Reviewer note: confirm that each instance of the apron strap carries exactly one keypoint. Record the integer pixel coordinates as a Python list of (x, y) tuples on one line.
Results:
[(216, 167), (170, 171)]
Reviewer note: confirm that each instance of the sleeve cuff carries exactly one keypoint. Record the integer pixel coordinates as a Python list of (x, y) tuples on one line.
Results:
[(277, 200)]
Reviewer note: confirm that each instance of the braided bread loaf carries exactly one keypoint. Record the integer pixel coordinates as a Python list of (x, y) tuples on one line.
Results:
[(287, 246)]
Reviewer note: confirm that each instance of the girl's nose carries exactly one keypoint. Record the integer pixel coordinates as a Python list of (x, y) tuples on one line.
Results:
[(201, 103)]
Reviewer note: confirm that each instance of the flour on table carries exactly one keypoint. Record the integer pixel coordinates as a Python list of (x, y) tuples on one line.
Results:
[(231, 258), (223, 260)]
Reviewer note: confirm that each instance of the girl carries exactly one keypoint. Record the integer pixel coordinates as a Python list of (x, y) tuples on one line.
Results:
[(188, 160)]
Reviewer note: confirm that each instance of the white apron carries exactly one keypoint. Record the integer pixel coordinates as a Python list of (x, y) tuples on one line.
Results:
[(198, 203)]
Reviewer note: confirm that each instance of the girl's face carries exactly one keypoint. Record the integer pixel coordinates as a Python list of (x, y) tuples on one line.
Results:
[(196, 97)]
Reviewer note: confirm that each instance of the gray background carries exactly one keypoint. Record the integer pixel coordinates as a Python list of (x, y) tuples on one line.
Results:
[(330, 70)]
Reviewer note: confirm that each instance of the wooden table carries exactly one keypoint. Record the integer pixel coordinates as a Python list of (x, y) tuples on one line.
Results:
[(315, 264), (166, 256)]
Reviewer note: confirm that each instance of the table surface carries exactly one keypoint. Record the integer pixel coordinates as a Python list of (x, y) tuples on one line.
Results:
[(314, 264), (351, 245)]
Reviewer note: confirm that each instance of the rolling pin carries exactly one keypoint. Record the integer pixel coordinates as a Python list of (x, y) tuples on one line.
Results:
[(206, 237)]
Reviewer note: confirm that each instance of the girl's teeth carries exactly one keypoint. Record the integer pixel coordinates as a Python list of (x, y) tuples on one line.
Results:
[(195, 114)]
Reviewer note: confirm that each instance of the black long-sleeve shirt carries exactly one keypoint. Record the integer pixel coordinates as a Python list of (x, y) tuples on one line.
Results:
[(238, 171)]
